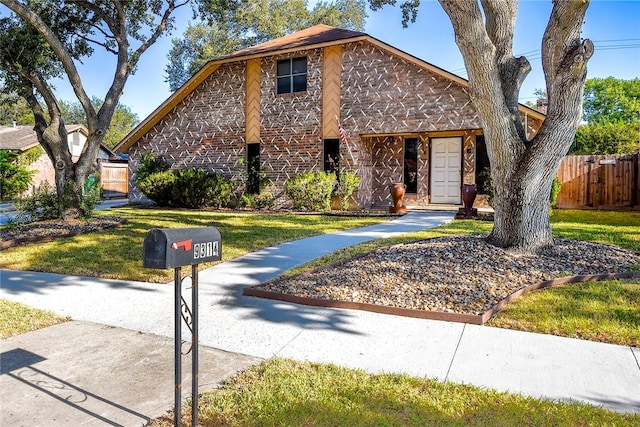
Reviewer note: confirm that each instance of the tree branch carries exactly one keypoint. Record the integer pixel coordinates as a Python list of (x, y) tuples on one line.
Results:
[(103, 45), (47, 94), (486, 72), (500, 23), (564, 61), (158, 31), (61, 52)]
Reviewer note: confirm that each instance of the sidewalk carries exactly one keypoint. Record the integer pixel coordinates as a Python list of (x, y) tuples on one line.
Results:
[(244, 330)]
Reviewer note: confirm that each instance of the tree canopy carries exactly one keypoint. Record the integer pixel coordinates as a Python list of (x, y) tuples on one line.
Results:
[(612, 111), (235, 25), (611, 99), (13, 108), (44, 39), (122, 122)]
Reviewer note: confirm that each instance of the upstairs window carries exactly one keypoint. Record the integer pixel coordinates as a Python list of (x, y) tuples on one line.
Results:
[(291, 75)]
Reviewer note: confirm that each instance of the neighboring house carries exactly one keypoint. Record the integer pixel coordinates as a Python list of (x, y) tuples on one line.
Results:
[(280, 105), (23, 137)]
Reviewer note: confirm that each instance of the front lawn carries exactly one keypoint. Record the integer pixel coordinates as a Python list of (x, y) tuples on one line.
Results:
[(288, 393), (606, 311), (16, 319), (117, 253)]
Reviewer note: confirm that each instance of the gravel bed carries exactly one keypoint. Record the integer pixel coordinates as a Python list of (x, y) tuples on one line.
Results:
[(458, 274)]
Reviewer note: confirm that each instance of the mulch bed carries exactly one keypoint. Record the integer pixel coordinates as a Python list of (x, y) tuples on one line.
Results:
[(46, 231)]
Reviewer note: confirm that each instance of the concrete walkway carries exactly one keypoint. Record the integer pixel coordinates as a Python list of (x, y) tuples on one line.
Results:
[(92, 359)]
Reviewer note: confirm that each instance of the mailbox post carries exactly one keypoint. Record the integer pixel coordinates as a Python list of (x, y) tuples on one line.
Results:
[(175, 248)]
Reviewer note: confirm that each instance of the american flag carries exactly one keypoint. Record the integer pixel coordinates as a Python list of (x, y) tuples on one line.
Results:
[(343, 134), (343, 139)]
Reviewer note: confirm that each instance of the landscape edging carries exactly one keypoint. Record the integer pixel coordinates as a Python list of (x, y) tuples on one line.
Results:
[(479, 319)]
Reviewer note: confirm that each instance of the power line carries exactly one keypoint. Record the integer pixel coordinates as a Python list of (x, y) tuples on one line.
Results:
[(534, 55)]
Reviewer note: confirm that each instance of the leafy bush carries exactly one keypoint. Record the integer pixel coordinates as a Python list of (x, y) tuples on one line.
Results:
[(15, 178), (43, 203), (264, 200), (311, 190), (150, 165), (158, 187), (29, 156), (345, 187), (607, 137), (40, 205), (187, 188), (91, 195), (556, 186)]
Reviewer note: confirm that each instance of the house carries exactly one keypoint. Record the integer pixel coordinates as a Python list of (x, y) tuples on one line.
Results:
[(283, 104), (23, 138)]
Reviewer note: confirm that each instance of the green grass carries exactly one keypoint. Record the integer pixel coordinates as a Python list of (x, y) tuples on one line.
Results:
[(611, 228), (282, 392), (598, 311), (117, 253), (287, 393), (16, 318)]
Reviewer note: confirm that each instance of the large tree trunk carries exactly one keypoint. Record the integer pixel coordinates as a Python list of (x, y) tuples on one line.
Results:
[(522, 170), (69, 176), (113, 20)]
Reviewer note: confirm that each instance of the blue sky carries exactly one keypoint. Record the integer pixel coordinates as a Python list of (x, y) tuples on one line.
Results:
[(613, 26)]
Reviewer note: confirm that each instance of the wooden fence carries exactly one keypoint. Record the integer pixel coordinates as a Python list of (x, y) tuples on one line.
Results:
[(600, 182), (114, 177)]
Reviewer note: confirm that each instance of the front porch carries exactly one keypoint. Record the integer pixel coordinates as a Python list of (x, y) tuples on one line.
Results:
[(432, 165)]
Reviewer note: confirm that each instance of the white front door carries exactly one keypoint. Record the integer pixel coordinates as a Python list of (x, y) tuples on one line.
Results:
[(446, 162)]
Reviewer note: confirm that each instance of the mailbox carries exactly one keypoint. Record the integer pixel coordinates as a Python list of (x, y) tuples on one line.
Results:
[(176, 247)]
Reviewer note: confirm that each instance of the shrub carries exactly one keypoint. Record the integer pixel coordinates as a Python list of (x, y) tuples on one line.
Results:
[(188, 188), (311, 190), (15, 178), (91, 195), (345, 187), (197, 188), (607, 137), (150, 165), (40, 205), (264, 200), (43, 203), (158, 187), (556, 186)]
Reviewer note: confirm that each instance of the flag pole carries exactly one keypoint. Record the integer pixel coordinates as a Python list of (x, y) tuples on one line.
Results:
[(343, 139)]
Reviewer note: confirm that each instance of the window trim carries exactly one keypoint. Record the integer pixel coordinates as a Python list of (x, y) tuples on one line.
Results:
[(290, 76)]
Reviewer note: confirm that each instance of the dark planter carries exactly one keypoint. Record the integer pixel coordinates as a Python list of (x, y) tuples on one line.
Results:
[(397, 197), (469, 192)]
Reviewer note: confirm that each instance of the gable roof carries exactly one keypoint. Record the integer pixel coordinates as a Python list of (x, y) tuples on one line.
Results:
[(17, 138), (23, 137), (315, 37), (318, 34)]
